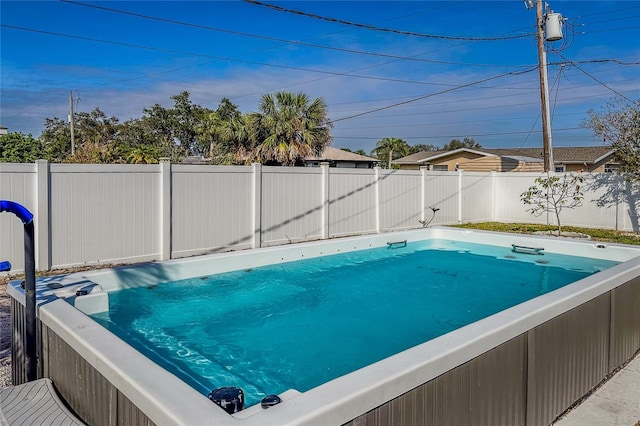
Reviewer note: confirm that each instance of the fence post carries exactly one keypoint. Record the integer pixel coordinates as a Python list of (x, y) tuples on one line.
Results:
[(493, 196), (423, 190), (376, 170), (43, 230), (460, 172), (257, 206), (165, 209), (324, 166)]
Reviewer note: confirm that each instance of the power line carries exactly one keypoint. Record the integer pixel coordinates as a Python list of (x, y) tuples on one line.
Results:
[(263, 37), (231, 59), (596, 80), (467, 135), (429, 95), (388, 30)]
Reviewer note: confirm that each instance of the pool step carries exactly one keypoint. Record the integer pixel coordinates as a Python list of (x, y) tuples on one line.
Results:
[(526, 250), (32, 403)]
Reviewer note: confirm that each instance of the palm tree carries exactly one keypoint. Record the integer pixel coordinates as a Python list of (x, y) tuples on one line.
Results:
[(289, 127), (387, 147), (226, 129)]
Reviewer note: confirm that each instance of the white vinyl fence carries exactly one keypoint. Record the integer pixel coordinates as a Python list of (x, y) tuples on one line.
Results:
[(92, 214)]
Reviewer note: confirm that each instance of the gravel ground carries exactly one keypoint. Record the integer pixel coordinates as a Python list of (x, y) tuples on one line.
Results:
[(5, 336)]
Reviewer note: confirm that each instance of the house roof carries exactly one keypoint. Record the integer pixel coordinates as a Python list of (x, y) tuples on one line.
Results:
[(417, 157), (335, 154), (563, 154)]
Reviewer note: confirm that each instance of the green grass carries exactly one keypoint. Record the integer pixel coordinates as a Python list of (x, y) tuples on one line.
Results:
[(527, 228)]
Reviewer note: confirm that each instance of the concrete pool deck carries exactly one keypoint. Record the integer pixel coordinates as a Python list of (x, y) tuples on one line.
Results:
[(615, 403)]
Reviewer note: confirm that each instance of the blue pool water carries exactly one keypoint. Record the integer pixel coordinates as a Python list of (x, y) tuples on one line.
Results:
[(297, 325)]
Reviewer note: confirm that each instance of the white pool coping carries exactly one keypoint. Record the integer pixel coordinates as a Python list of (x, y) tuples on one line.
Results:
[(166, 399)]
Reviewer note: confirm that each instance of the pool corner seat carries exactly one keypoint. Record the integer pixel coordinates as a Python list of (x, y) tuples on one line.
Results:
[(35, 402)]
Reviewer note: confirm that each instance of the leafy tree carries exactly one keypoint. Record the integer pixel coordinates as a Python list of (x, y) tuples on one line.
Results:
[(142, 154), (94, 135), (618, 124), (172, 132), (360, 152), (553, 194), (56, 139), (288, 128), (95, 153), (17, 147), (186, 117), (227, 131), (465, 143), (94, 127), (388, 149), (422, 147)]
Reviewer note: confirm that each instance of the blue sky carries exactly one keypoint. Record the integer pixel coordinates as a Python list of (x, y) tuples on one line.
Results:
[(140, 53)]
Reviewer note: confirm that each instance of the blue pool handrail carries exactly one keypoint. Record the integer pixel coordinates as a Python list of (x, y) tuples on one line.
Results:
[(29, 341), (17, 209), (5, 266)]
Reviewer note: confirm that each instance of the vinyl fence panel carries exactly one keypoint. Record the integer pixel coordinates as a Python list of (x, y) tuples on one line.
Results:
[(508, 205), (92, 214), (292, 204), (400, 199), (352, 202), (477, 197), (211, 208), (442, 192), (17, 183), (103, 213)]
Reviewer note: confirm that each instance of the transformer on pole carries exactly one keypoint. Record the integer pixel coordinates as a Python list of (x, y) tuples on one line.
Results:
[(548, 28)]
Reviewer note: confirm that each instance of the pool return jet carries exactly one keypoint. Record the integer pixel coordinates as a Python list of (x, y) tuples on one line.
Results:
[(29, 284)]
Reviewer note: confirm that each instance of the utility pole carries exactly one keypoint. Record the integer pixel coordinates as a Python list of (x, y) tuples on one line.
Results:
[(73, 145), (544, 91)]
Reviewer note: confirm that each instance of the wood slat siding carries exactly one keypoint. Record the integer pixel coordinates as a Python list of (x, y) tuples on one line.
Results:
[(625, 323), (94, 399), (568, 356), (531, 379), (18, 374), (488, 390)]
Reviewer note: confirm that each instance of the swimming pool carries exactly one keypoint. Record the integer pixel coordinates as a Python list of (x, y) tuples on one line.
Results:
[(269, 329), (515, 342)]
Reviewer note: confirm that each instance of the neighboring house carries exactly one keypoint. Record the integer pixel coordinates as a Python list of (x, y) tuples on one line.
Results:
[(195, 160), (342, 159), (4, 130), (566, 159)]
